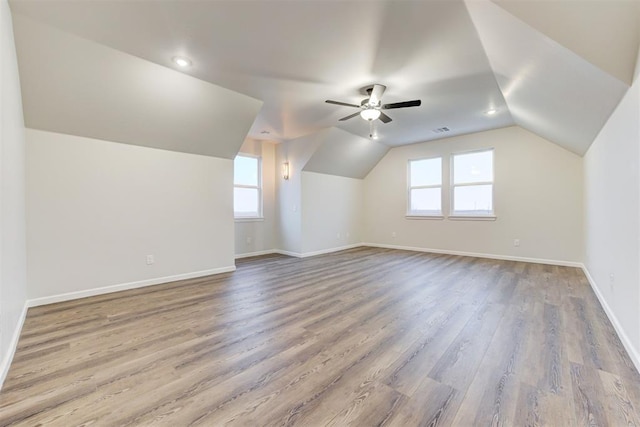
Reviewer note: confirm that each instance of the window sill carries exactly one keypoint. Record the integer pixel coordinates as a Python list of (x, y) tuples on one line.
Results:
[(249, 219), (472, 217), (440, 217)]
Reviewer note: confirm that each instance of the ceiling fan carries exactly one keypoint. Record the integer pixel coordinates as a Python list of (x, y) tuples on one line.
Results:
[(371, 108)]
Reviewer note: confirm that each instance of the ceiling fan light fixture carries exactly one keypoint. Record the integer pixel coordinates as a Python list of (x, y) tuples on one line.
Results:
[(370, 114)]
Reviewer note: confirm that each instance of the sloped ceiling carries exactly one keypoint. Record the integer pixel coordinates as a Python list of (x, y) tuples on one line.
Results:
[(549, 89), (75, 86), (294, 55), (344, 154), (604, 33), (554, 69)]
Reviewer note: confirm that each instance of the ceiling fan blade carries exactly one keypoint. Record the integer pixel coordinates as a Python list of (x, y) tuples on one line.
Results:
[(328, 101), (384, 118), (376, 94), (404, 104), (350, 116)]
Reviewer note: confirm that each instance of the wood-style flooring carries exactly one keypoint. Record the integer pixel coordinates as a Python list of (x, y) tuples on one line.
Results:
[(364, 337)]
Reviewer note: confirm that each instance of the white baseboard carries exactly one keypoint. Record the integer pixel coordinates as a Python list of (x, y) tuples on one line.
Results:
[(330, 250), (287, 253), (626, 342), (300, 254), (270, 252), (478, 255), (13, 345), (416, 249), (258, 253), (125, 286), (320, 252)]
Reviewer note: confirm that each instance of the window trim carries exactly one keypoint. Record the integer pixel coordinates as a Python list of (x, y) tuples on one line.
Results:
[(425, 214), (249, 219), (259, 216), (471, 215)]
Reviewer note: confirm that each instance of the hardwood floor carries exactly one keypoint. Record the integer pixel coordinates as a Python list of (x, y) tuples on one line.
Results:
[(362, 337)]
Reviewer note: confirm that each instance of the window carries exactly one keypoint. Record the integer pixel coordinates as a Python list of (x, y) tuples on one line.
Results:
[(425, 187), (247, 187), (472, 184)]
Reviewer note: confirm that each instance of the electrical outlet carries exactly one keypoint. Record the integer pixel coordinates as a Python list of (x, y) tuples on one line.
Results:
[(348, 234), (249, 240), (516, 242), (337, 235), (394, 234), (150, 259)]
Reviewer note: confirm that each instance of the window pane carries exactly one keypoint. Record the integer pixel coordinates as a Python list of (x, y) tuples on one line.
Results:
[(473, 199), (245, 171), (245, 202), (473, 167), (426, 200), (425, 172)]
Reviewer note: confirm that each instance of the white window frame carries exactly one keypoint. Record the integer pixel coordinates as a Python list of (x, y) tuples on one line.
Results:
[(477, 215), (256, 187), (424, 214)]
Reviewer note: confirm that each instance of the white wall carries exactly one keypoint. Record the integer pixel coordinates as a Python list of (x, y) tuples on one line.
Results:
[(297, 153), (332, 211), (612, 218), (288, 199), (96, 209), (13, 283), (312, 208), (538, 199), (256, 236)]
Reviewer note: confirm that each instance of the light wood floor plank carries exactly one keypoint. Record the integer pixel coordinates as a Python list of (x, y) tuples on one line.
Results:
[(361, 337)]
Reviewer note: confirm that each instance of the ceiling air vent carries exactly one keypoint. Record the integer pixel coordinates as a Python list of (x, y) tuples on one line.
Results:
[(441, 130)]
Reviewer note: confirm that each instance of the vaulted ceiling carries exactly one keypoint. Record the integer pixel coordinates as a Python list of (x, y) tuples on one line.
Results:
[(556, 68)]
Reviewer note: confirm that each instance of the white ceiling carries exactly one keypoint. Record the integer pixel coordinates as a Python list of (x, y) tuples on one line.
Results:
[(122, 98), (548, 88), (295, 54), (604, 33), (344, 154)]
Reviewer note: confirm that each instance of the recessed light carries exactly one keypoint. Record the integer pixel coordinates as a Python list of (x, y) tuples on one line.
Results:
[(181, 61), (491, 112)]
